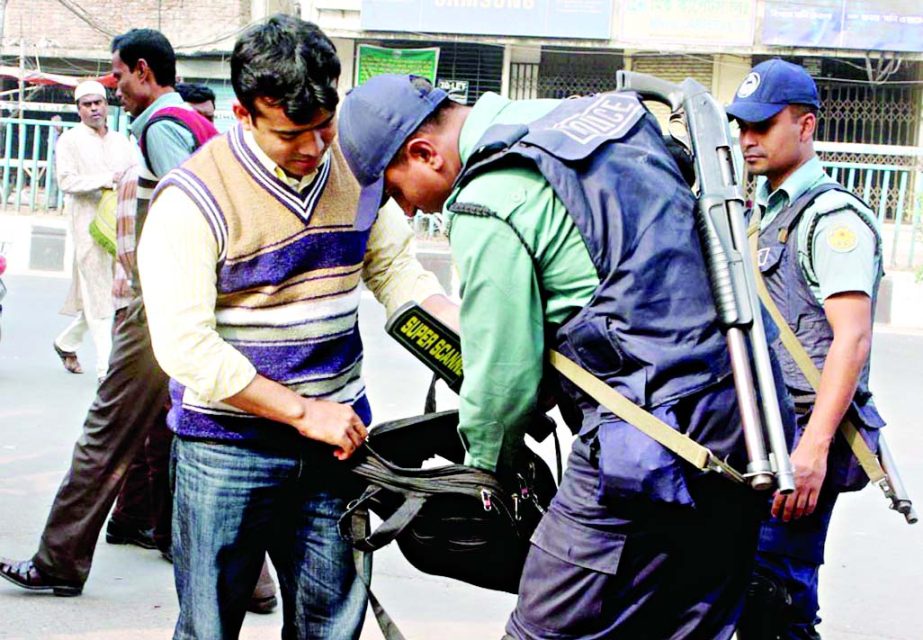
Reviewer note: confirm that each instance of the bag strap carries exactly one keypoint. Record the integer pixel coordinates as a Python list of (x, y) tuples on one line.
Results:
[(429, 406), (363, 561), (357, 510), (682, 445), (860, 448)]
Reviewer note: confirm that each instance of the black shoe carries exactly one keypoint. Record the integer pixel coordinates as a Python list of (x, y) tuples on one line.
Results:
[(123, 534), (262, 605), (26, 575)]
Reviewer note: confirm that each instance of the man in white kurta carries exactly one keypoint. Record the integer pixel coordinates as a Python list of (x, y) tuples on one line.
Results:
[(90, 158)]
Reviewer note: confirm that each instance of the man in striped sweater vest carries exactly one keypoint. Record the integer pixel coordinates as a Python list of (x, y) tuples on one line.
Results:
[(251, 262)]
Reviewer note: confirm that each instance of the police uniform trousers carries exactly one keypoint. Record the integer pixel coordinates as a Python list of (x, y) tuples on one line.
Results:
[(790, 554), (637, 570)]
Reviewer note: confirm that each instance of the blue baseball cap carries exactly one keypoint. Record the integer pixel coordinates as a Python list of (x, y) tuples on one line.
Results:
[(375, 120), (770, 87)]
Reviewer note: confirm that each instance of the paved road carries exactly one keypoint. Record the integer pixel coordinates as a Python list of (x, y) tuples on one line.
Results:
[(872, 582)]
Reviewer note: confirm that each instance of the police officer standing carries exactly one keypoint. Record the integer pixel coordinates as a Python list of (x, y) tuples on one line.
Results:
[(572, 227), (820, 256)]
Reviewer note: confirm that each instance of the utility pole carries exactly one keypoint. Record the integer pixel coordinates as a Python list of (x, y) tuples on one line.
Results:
[(2, 131), (2, 20), (22, 73)]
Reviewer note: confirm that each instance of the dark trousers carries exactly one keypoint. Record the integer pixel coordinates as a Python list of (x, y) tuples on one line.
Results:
[(637, 570), (791, 554), (145, 501), (128, 403)]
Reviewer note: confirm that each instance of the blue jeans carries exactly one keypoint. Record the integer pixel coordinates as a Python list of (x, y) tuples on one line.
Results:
[(233, 504)]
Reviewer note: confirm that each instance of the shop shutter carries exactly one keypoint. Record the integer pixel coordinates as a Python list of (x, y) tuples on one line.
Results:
[(562, 74), (673, 68)]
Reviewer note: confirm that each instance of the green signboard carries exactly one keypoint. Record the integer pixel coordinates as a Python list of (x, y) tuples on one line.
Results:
[(373, 61)]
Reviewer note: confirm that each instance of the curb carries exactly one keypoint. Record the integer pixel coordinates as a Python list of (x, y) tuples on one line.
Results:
[(41, 246)]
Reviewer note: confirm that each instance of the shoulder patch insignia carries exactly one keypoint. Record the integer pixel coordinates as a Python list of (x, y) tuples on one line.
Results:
[(842, 239)]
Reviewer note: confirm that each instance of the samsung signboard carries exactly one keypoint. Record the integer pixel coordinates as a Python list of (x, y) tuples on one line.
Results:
[(585, 19)]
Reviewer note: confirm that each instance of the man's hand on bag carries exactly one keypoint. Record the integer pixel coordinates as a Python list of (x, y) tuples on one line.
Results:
[(321, 420), (333, 423), (810, 462)]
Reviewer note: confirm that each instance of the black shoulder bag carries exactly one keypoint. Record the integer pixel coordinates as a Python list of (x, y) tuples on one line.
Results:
[(448, 519)]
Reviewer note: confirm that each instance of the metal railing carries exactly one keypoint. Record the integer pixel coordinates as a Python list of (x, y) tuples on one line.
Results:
[(27, 167), (890, 180)]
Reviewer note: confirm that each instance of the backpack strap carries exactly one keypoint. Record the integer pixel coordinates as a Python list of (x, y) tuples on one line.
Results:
[(201, 129), (357, 511)]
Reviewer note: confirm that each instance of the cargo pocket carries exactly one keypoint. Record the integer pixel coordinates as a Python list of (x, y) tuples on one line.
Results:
[(566, 579), (578, 544), (632, 464)]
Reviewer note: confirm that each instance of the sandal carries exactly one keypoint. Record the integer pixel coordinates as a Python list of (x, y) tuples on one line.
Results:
[(68, 359)]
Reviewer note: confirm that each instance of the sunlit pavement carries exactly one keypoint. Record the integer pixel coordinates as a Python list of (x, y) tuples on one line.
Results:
[(872, 583)]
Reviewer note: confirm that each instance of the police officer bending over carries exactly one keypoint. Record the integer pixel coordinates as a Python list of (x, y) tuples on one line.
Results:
[(572, 227), (820, 255)]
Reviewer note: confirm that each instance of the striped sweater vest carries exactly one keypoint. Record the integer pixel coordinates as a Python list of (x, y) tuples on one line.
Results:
[(288, 273)]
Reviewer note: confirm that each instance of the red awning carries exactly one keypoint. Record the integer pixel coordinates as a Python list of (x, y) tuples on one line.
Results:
[(30, 76)]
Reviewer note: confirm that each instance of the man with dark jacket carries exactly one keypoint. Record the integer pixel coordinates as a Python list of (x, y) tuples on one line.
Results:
[(573, 229)]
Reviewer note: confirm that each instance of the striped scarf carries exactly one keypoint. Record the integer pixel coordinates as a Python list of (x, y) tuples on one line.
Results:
[(126, 212)]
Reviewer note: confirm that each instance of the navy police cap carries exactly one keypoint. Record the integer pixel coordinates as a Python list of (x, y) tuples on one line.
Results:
[(770, 87)]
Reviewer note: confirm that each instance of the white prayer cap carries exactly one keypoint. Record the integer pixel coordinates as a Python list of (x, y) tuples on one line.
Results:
[(89, 88)]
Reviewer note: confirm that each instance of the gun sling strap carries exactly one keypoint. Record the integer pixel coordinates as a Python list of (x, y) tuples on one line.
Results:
[(860, 448), (679, 443)]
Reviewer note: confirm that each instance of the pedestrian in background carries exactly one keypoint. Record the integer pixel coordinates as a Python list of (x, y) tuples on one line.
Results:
[(127, 416), (89, 158), (199, 97)]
